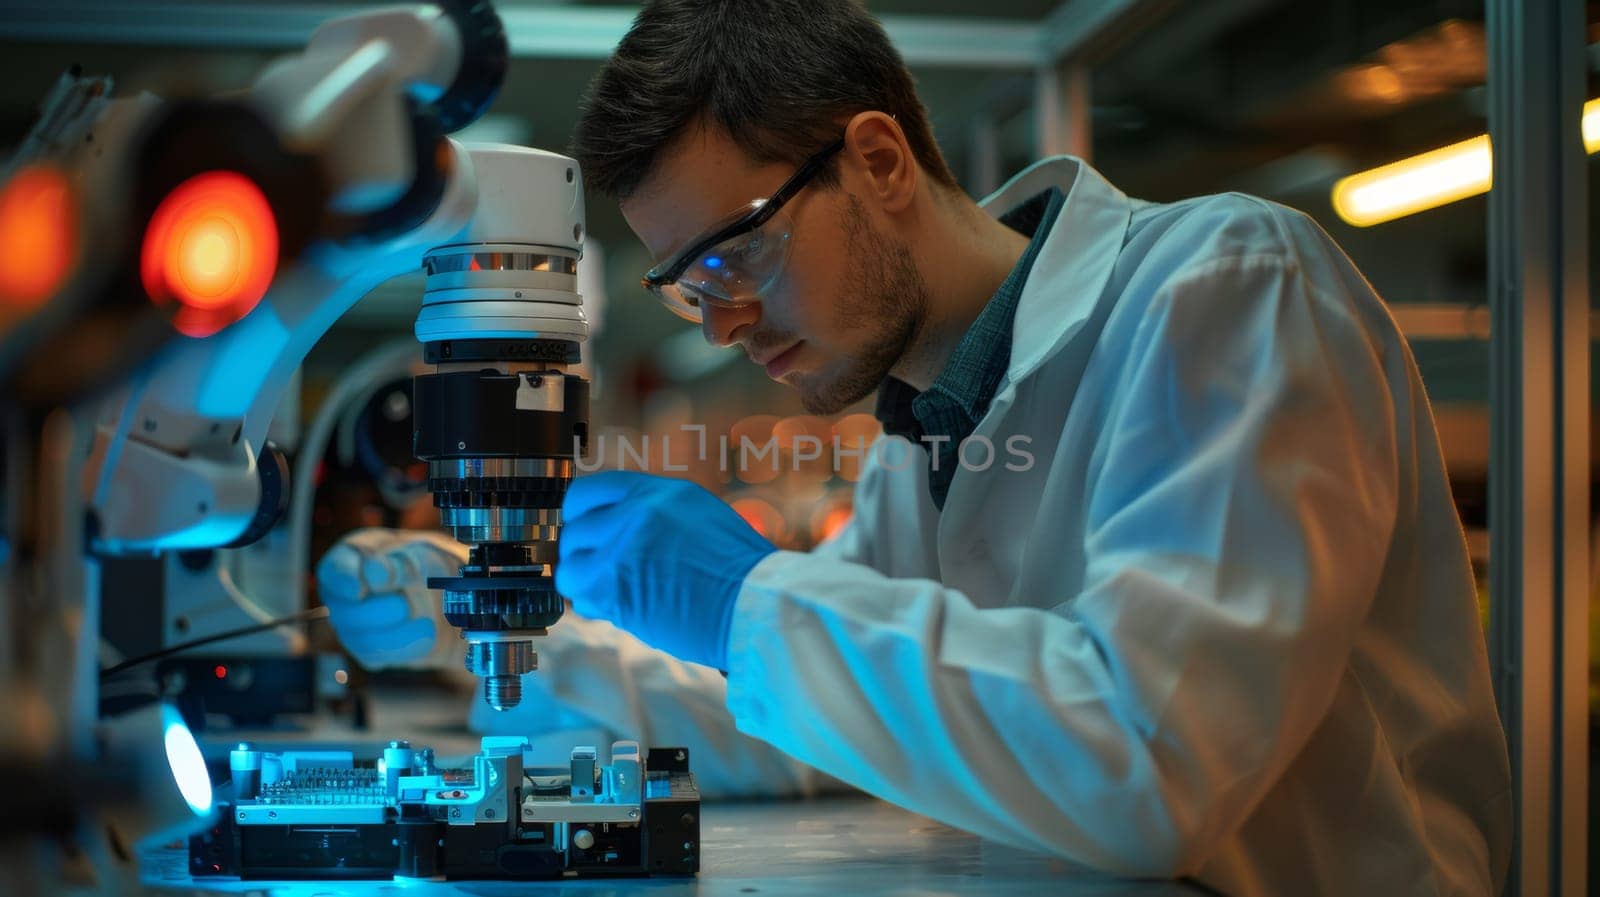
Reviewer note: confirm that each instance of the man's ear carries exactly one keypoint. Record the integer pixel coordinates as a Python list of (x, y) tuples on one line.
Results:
[(877, 148)]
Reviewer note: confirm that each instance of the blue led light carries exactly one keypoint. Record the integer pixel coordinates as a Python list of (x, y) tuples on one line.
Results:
[(713, 261), (188, 767)]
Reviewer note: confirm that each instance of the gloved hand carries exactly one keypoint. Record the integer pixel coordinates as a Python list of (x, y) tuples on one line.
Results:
[(660, 558), (375, 584)]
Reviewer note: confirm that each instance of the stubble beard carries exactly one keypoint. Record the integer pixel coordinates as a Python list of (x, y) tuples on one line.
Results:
[(891, 301)]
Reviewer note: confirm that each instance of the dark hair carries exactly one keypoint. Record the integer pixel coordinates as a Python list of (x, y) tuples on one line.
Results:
[(776, 75)]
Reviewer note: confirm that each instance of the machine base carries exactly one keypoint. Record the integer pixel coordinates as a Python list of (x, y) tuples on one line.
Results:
[(322, 815)]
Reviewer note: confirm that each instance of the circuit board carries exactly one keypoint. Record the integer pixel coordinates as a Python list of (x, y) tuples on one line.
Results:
[(324, 815)]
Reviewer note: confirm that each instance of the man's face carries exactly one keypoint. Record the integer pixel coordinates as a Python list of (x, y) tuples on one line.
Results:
[(849, 298)]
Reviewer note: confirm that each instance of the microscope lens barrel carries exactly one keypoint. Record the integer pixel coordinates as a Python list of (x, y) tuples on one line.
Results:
[(503, 415)]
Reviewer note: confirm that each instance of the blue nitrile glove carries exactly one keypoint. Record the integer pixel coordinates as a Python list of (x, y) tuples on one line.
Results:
[(661, 558), (375, 585)]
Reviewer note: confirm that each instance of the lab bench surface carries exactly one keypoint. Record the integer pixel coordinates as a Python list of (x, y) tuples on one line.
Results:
[(840, 847)]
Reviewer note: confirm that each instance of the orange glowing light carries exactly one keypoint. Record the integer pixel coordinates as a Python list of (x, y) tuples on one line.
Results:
[(38, 236), (790, 430), (762, 517), (829, 522), (756, 448), (853, 437), (211, 248)]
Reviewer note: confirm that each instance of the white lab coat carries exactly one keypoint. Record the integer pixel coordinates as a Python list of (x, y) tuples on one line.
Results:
[(1223, 626)]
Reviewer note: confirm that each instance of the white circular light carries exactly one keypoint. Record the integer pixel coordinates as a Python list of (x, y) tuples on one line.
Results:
[(188, 768)]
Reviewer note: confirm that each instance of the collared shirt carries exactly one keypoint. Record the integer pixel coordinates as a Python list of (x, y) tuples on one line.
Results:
[(950, 409)]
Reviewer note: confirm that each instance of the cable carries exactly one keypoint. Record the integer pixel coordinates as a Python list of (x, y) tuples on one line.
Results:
[(297, 641), (245, 603), (316, 613), (119, 437), (393, 359)]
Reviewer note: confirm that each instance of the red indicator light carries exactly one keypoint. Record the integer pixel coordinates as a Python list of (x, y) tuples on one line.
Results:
[(38, 236), (211, 248), (221, 672)]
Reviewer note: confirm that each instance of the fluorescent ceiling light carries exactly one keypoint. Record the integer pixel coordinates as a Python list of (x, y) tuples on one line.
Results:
[(1431, 179)]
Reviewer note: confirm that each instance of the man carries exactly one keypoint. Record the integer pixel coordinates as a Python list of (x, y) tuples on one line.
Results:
[(1219, 624)]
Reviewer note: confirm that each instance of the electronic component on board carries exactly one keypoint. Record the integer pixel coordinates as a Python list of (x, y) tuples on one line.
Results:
[(322, 814)]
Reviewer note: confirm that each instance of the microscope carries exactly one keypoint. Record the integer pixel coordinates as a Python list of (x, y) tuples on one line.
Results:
[(498, 231), (502, 416), (185, 253)]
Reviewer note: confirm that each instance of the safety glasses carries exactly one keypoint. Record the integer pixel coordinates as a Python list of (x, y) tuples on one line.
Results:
[(739, 257)]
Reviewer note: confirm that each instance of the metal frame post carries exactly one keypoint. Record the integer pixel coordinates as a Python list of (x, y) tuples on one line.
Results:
[(1061, 111), (1539, 443), (551, 31)]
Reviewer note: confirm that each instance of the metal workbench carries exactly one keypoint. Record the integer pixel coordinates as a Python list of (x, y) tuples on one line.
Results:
[(837, 846), (841, 847)]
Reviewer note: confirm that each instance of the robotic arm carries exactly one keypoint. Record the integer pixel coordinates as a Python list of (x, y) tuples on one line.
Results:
[(498, 230), (169, 264)]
